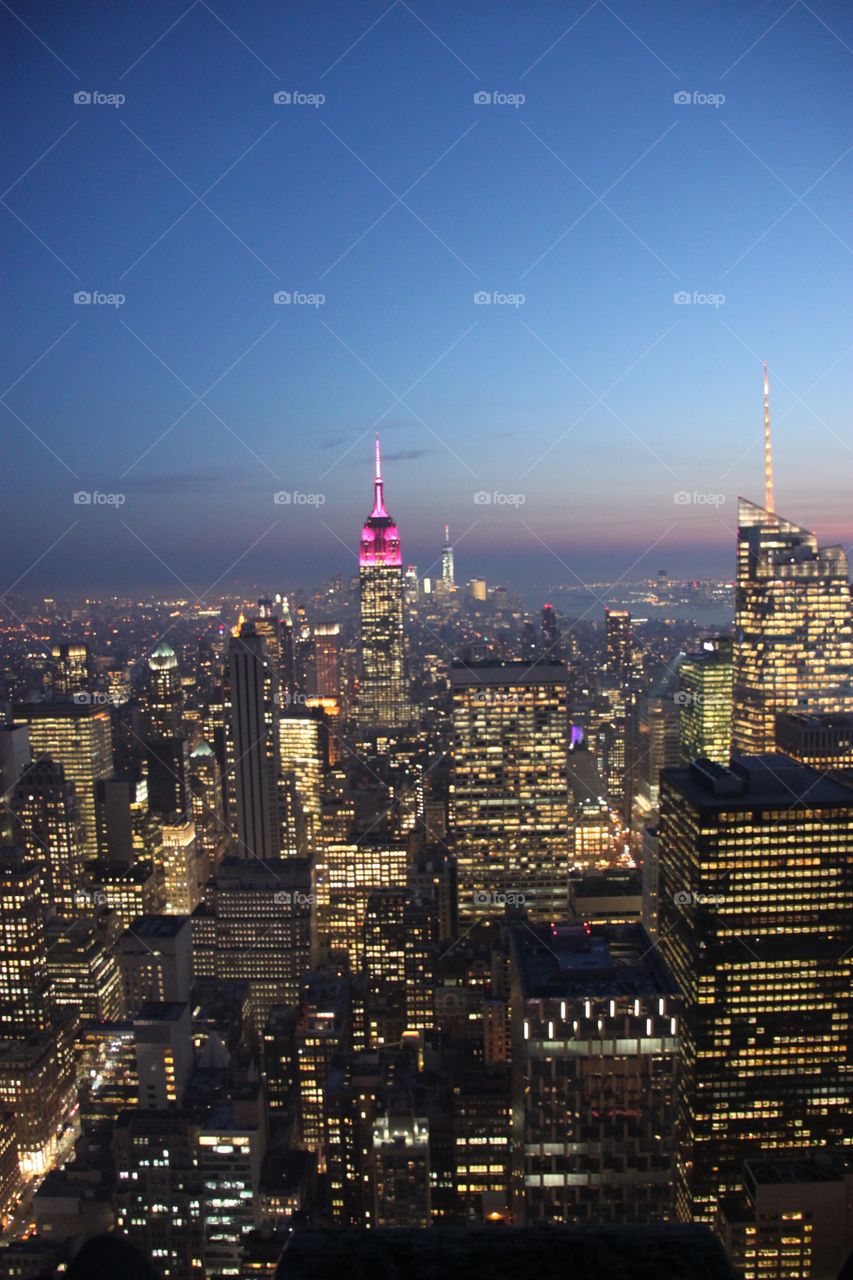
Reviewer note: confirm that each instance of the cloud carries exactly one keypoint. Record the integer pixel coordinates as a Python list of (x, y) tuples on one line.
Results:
[(405, 455)]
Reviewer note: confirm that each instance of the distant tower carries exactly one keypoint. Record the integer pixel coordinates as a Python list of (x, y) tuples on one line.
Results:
[(769, 500), (254, 740), (383, 692), (164, 694), (447, 559)]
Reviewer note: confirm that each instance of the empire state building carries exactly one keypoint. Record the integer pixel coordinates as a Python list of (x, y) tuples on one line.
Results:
[(383, 696)]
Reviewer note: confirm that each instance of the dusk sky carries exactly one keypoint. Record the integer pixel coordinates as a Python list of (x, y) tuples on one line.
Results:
[(397, 199)]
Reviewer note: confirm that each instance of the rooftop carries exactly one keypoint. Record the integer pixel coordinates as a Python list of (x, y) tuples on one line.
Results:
[(755, 781), (605, 1253), (562, 959), (156, 927)]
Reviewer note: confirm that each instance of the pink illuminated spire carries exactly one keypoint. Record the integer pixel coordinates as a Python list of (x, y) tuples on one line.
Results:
[(380, 540), (378, 485)]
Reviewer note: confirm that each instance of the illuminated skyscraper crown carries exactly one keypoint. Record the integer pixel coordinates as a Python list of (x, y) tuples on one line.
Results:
[(380, 540)]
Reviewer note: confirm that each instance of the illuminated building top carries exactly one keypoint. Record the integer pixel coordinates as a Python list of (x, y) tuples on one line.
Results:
[(380, 540)]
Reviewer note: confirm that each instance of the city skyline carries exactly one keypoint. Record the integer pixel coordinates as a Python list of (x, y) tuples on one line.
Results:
[(469, 397)]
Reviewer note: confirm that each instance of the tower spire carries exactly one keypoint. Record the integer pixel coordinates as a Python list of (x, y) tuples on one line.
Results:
[(378, 485), (769, 500)]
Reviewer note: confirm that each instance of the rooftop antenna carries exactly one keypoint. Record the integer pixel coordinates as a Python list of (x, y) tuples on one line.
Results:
[(769, 500)]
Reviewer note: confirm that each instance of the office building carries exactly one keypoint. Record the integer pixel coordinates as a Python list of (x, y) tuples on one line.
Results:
[(705, 701), (155, 958), (755, 912), (48, 815), (793, 628), (383, 694), (254, 735), (77, 735), (509, 791), (595, 1040)]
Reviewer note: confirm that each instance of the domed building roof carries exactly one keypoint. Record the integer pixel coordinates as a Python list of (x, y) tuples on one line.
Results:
[(163, 658)]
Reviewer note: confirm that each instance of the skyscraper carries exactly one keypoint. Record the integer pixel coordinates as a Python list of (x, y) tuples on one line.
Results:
[(256, 817), (509, 786), (49, 818), (705, 701), (327, 655), (618, 639), (793, 630), (78, 736), (164, 696), (594, 1057), (383, 698), (447, 573), (756, 904)]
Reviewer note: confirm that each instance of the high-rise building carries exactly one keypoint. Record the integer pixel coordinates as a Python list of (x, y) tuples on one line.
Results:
[(755, 912), (302, 753), (823, 741), (164, 696), (49, 822), (83, 969), (159, 1191), (327, 659), (550, 638), (447, 570), (164, 1053), (24, 982), (231, 1151), (72, 672), (383, 694), (255, 743), (155, 957), (400, 1170), (78, 736), (347, 872), (793, 1218), (793, 628), (656, 748), (618, 644), (36, 1037), (255, 926), (181, 863), (323, 1029), (704, 700), (509, 793), (595, 1037), (206, 803)]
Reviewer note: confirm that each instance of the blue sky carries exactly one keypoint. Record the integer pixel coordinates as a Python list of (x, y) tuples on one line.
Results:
[(398, 198)]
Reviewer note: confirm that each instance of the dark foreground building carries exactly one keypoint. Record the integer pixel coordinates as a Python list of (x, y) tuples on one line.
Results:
[(505, 1253)]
